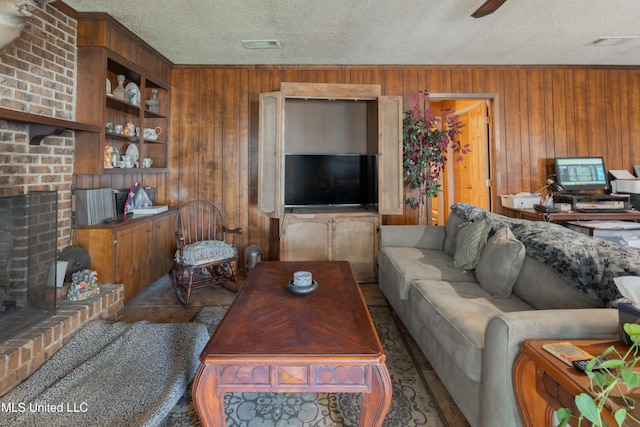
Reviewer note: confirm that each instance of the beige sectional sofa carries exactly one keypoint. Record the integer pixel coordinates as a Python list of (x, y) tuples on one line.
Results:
[(471, 322)]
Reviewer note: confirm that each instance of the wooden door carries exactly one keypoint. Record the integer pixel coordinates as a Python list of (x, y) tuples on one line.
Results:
[(163, 247), (271, 155), (355, 239), (471, 175), (133, 258), (306, 239)]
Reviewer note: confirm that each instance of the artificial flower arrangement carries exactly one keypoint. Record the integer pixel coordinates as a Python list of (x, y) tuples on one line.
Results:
[(84, 285), (426, 138)]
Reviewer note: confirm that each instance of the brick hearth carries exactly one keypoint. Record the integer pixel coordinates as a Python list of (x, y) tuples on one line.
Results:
[(21, 355)]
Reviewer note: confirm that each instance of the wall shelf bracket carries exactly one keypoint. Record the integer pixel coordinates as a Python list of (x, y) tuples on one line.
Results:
[(38, 131)]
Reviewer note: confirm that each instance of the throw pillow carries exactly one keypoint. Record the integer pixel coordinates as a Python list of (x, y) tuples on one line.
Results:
[(452, 226), (500, 263), (206, 251), (470, 241)]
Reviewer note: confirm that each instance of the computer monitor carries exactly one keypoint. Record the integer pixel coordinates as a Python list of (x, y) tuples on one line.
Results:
[(577, 174)]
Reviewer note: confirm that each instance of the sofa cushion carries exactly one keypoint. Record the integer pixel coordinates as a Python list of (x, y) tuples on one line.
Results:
[(452, 226), (402, 265), (500, 263), (543, 288), (205, 251), (457, 314), (470, 241)]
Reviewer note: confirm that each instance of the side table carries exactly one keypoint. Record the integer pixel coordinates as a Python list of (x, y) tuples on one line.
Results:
[(544, 384)]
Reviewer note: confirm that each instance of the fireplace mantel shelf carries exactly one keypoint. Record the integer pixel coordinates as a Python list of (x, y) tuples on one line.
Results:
[(42, 126)]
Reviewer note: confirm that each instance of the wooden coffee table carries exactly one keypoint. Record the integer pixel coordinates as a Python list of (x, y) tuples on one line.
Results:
[(271, 340)]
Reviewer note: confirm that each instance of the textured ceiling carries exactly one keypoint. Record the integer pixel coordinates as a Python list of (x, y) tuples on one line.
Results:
[(428, 32)]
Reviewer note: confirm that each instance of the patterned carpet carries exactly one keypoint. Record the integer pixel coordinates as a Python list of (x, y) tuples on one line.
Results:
[(411, 404)]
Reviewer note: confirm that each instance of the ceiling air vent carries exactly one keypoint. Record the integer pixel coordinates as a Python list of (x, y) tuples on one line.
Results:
[(261, 44), (611, 41)]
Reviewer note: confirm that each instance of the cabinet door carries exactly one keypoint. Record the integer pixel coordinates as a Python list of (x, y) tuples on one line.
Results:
[(306, 240), (164, 246), (390, 182), (355, 239), (271, 155), (133, 258)]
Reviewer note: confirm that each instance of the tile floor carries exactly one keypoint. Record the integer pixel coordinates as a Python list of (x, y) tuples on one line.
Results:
[(158, 304)]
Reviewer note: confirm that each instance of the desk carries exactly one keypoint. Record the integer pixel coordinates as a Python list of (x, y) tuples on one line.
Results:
[(563, 217), (543, 383)]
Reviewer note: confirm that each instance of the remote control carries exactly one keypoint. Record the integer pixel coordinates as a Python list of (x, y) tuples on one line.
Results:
[(582, 364)]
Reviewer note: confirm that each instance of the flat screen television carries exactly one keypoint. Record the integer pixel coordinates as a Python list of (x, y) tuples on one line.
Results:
[(577, 174), (330, 179)]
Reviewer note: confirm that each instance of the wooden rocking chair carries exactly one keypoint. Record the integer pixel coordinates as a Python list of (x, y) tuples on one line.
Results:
[(204, 256)]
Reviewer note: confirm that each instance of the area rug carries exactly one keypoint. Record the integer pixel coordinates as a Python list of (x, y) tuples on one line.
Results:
[(411, 404)]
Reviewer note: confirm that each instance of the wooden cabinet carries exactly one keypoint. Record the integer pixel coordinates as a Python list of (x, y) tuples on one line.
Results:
[(98, 68), (134, 251), (377, 129), (164, 246), (310, 118), (332, 234)]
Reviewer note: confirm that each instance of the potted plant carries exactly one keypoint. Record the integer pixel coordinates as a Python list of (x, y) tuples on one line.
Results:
[(616, 376), (426, 139)]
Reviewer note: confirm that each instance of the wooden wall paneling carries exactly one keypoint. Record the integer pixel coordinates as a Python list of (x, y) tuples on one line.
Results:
[(331, 75), (549, 135), (537, 129), (596, 136), (558, 118), (495, 85), (525, 151), (478, 81), (210, 132), (253, 234), (625, 131), (231, 171), (539, 113), (295, 75), (580, 113), (188, 146), (570, 106), (458, 80), (244, 161), (360, 76), (612, 116), (634, 116), (512, 166), (223, 95)]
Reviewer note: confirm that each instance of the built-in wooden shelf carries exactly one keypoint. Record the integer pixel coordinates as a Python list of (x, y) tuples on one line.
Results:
[(42, 126)]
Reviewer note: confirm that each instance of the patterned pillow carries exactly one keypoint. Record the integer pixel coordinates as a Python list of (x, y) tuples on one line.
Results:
[(206, 251), (470, 241), (500, 263)]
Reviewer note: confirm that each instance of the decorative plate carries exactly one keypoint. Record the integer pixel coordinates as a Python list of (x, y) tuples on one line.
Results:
[(302, 290)]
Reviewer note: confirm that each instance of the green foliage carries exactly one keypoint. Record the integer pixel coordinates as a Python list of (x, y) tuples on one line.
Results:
[(617, 376), (426, 138)]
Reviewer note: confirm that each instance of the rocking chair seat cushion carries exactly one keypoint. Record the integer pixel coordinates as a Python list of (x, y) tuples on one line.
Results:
[(205, 251)]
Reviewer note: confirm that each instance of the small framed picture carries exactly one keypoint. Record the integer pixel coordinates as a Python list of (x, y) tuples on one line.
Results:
[(636, 170)]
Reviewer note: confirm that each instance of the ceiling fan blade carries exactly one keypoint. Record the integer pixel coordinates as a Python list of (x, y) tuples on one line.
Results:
[(488, 8)]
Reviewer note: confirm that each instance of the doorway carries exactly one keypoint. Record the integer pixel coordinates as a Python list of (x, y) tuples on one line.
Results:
[(468, 180)]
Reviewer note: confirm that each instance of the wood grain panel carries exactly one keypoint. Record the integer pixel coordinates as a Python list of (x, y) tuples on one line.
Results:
[(540, 112), (536, 128)]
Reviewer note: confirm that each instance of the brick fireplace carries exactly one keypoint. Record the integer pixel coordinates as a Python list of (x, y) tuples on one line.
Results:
[(34, 321), (28, 248)]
